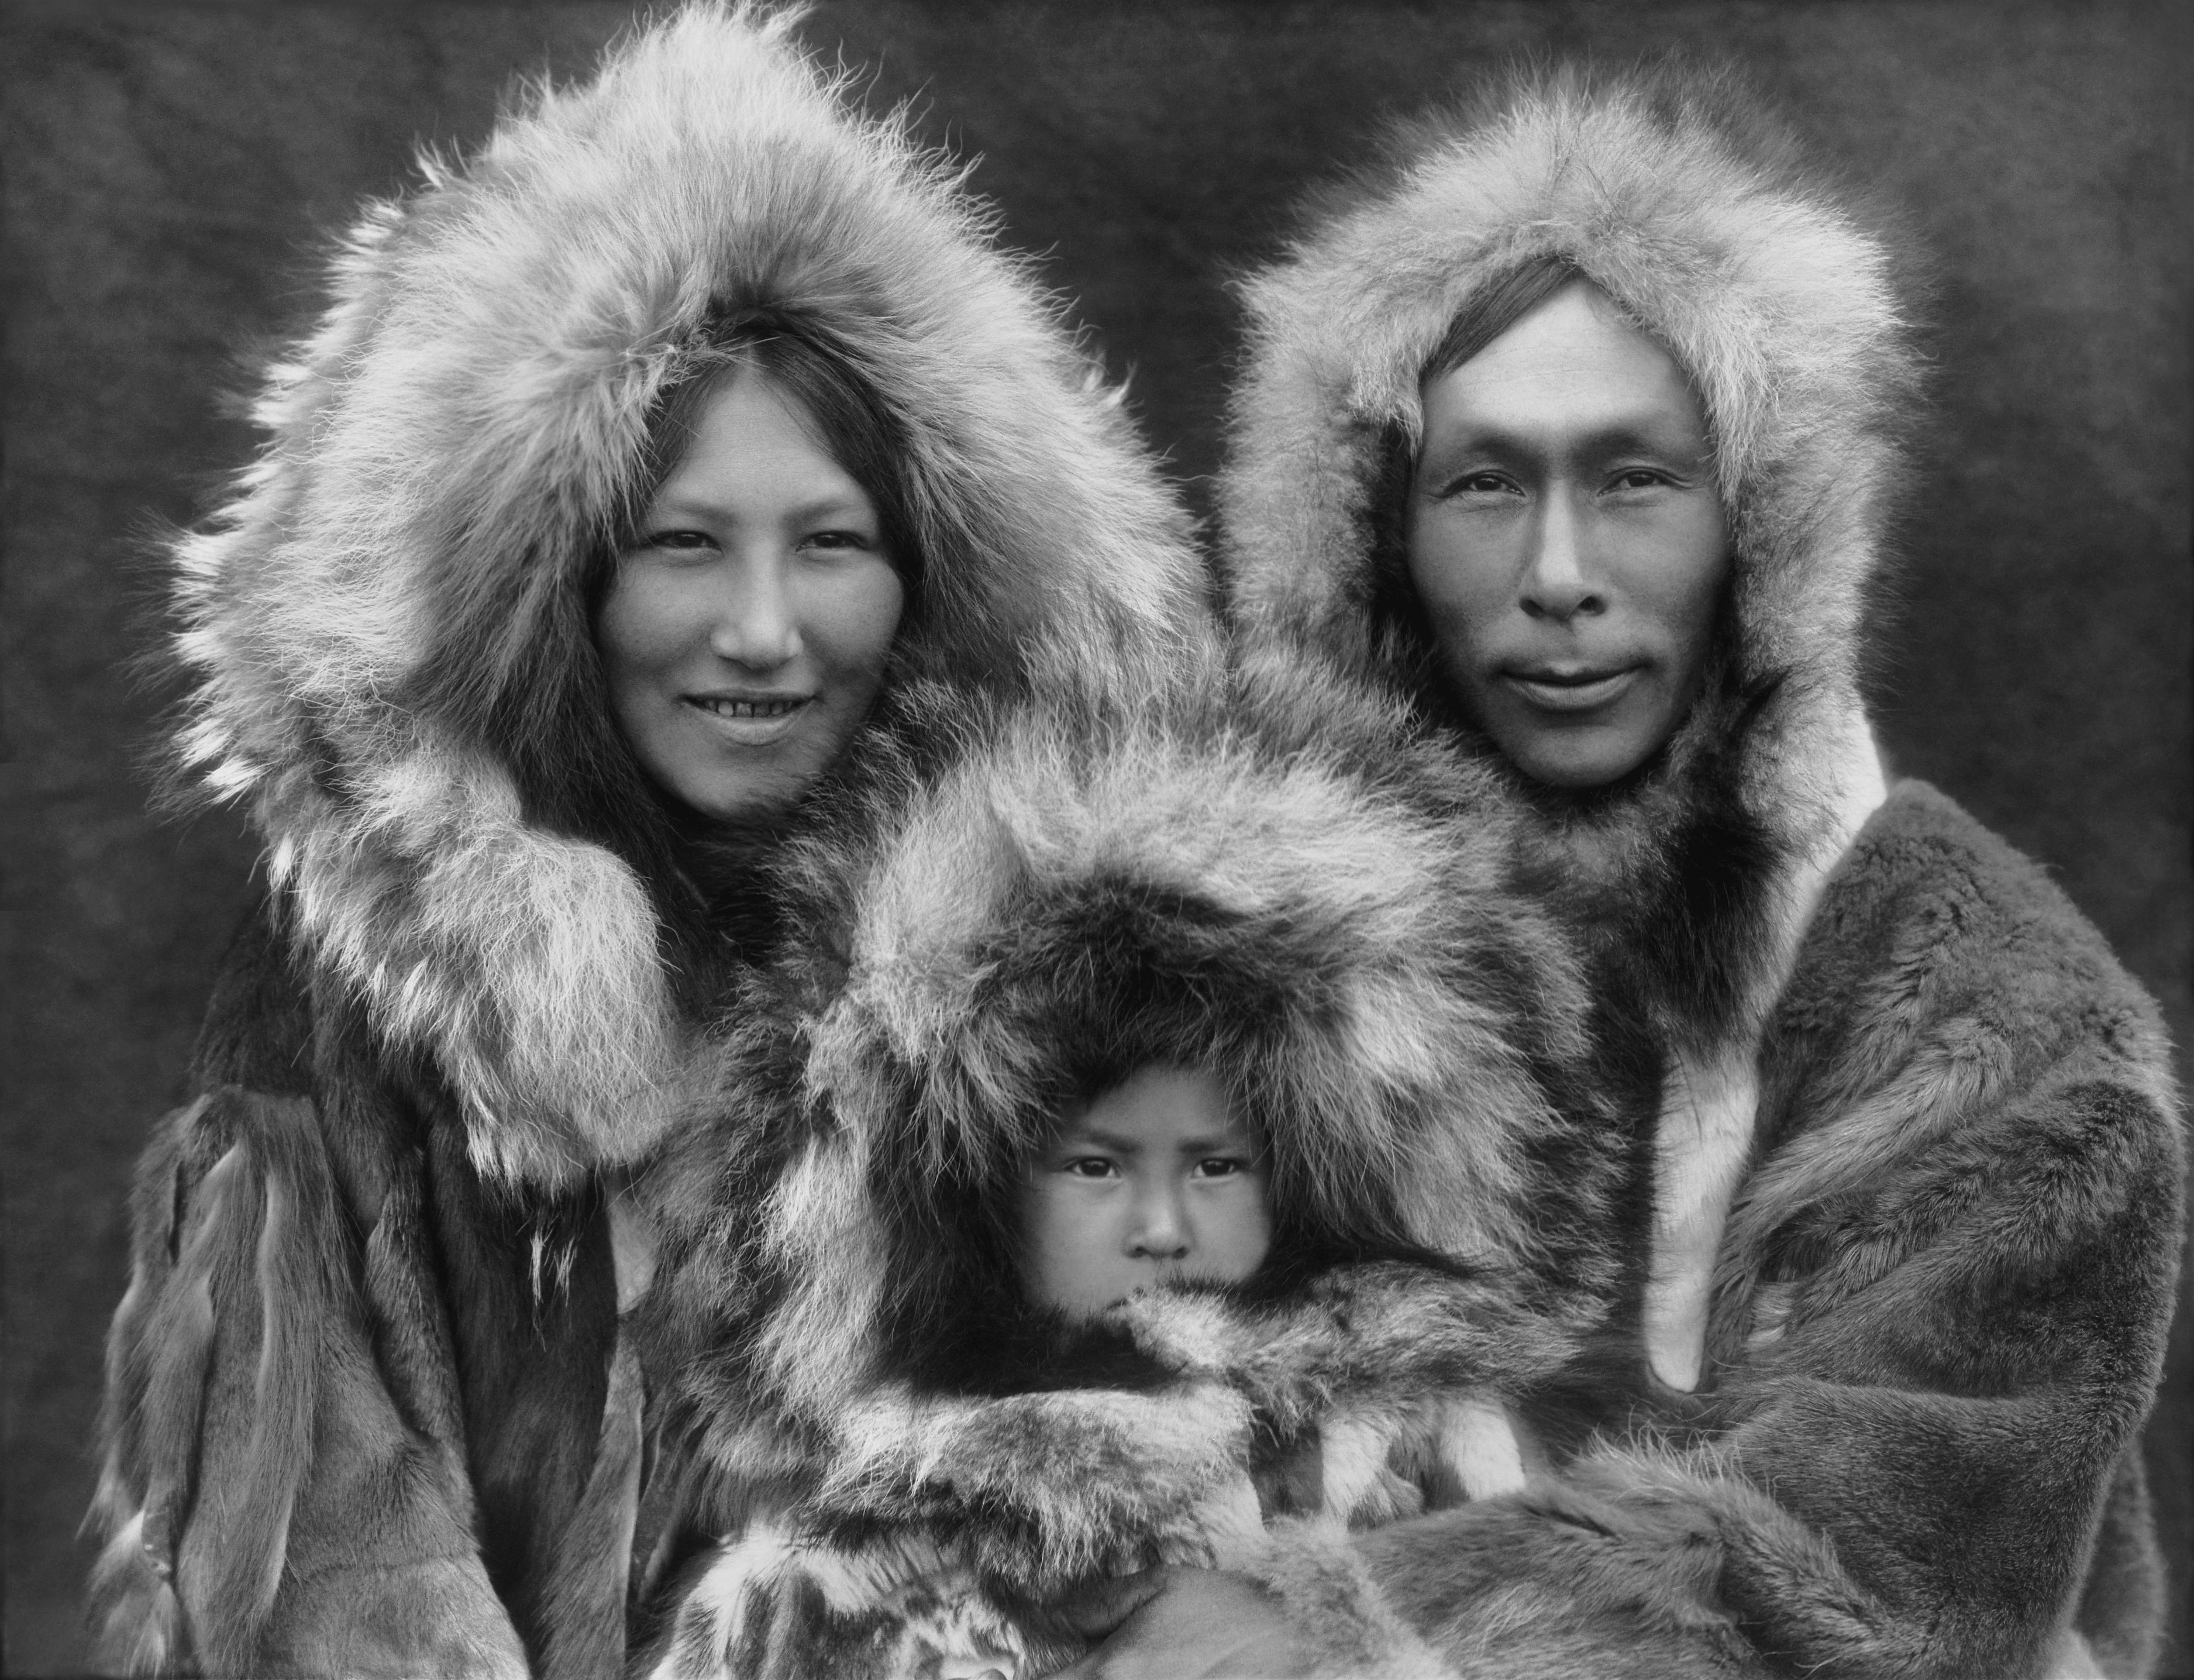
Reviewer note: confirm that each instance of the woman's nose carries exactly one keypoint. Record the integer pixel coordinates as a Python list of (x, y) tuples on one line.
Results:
[(1160, 1230), (756, 626), (1555, 583)]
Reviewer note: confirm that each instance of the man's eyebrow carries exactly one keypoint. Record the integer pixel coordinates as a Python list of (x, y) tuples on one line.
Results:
[(1610, 438)]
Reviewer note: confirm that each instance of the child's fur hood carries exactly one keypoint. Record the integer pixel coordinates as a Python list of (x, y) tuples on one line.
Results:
[(387, 624), (1292, 891)]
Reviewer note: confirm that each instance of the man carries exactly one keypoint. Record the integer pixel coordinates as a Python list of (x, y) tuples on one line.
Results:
[(1578, 428)]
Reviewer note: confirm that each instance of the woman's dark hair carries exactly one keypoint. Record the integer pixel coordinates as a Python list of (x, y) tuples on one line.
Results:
[(825, 376), (1398, 617)]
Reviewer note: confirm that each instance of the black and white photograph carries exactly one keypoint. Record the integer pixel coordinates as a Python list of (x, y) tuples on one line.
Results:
[(1096, 838)]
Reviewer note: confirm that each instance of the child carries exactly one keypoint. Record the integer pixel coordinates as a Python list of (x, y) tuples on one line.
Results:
[(1177, 1175)]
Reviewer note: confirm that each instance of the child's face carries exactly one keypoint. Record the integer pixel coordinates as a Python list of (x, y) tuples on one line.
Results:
[(1155, 1179)]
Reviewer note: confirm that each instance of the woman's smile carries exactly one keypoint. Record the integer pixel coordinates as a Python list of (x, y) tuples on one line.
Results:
[(752, 720)]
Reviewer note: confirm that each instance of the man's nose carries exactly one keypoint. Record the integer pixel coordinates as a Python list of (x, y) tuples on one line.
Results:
[(756, 623), (1160, 1228), (1557, 584)]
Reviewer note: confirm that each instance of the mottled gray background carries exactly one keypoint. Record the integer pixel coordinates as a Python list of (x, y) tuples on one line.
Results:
[(170, 167)]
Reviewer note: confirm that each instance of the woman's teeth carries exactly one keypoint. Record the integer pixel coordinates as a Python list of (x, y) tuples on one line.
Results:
[(749, 708)]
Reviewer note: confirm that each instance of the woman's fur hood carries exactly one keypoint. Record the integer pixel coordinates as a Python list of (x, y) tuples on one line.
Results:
[(387, 617), (837, 1317)]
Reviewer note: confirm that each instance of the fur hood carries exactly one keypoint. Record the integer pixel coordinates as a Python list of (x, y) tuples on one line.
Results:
[(1684, 203), (388, 627), (1341, 944), (1679, 200)]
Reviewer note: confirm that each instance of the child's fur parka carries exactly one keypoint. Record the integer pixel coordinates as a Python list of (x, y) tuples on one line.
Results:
[(892, 1450), (367, 1408), (1915, 1185)]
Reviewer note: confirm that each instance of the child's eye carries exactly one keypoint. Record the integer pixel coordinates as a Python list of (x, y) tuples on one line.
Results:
[(1221, 1167), (1090, 1166)]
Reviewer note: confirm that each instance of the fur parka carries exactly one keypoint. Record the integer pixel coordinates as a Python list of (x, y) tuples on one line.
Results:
[(891, 1456), (1914, 1184), (367, 1409)]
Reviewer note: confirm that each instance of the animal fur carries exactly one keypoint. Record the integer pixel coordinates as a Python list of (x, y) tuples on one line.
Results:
[(365, 1408), (840, 1337), (1916, 1174)]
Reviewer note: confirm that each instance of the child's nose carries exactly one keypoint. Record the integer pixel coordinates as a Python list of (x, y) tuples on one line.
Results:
[(1160, 1231)]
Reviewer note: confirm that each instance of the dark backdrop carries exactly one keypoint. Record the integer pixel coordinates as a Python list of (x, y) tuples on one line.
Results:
[(169, 165)]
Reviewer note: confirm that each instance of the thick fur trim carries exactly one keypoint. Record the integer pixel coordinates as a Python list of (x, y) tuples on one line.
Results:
[(456, 440)]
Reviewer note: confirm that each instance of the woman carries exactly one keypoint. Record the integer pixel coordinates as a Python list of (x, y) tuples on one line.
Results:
[(662, 482), (1578, 428)]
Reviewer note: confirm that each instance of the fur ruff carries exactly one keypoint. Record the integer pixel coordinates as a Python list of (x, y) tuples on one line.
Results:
[(459, 434), (840, 1337)]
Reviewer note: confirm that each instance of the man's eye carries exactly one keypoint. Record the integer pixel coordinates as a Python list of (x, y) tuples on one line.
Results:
[(1639, 478), (1479, 484)]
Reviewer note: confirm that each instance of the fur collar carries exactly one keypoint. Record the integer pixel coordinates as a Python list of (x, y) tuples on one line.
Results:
[(388, 616)]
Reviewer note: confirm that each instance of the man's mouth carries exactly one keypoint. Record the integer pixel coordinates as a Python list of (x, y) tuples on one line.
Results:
[(1570, 688)]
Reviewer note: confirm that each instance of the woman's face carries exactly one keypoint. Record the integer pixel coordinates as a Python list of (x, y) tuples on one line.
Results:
[(1566, 540), (746, 634)]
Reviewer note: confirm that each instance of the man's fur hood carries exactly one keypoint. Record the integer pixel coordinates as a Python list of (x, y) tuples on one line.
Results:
[(1316, 913), (1677, 197), (386, 627)]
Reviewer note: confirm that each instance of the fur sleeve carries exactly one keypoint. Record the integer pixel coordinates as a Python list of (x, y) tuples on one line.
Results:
[(264, 1506), (1919, 1443)]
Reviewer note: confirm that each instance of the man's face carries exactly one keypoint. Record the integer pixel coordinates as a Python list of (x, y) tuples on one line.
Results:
[(1566, 540), (1155, 1179)]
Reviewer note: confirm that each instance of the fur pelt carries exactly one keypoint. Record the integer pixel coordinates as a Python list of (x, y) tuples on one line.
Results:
[(872, 1408), (392, 606), (1915, 1173)]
